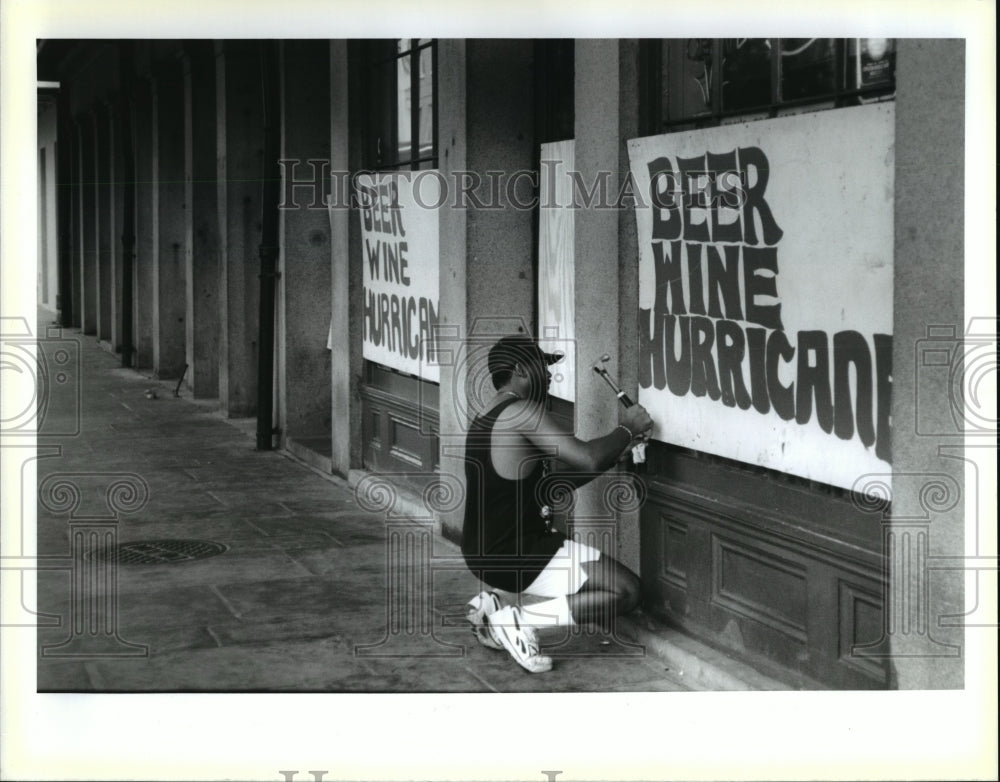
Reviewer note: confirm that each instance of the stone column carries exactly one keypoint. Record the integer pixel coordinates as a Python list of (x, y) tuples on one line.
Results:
[(116, 207), (240, 136), (201, 223), (168, 216), (304, 374), (64, 197), (88, 226), (142, 301), (605, 279), (103, 141), (345, 278), (928, 323), (76, 259), (486, 123)]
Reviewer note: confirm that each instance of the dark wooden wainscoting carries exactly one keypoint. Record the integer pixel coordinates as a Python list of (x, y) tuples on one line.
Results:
[(785, 574), (400, 426)]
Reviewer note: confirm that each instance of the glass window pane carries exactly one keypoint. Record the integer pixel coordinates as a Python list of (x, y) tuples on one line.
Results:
[(760, 77), (687, 78), (808, 67), (746, 72), (404, 141), (382, 144), (871, 62), (389, 120), (426, 103)]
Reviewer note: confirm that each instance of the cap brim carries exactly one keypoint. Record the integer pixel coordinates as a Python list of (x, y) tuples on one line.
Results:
[(552, 358)]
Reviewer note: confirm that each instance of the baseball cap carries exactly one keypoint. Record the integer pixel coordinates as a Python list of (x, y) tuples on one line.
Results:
[(516, 348)]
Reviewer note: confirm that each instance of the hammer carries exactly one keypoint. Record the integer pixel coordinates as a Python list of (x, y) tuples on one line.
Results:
[(600, 370), (639, 449)]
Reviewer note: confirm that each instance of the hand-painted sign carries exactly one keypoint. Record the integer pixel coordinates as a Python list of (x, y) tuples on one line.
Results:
[(399, 244), (765, 290)]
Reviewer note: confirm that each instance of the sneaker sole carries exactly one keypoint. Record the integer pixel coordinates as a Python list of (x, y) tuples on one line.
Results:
[(534, 664)]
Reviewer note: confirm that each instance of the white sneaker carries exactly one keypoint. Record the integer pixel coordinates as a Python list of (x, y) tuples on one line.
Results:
[(519, 639), (476, 610)]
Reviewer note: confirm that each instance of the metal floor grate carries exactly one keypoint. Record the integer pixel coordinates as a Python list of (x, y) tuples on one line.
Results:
[(160, 552)]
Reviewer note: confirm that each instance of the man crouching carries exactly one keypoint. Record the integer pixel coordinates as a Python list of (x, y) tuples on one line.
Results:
[(507, 537)]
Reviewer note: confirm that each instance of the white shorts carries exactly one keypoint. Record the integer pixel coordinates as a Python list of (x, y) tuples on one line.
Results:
[(564, 575)]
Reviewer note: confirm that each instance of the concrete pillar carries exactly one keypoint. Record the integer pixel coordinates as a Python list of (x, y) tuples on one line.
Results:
[(239, 128), (627, 530), (304, 261), (65, 208), (52, 227), (105, 227), (116, 208), (144, 220), (926, 596), (41, 181), (88, 227), (47, 164), (75, 260), (606, 276), (168, 246), (596, 305), (345, 277), (487, 286), (201, 223)]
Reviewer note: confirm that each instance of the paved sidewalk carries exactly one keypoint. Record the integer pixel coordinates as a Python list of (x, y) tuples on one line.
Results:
[(300, 599)]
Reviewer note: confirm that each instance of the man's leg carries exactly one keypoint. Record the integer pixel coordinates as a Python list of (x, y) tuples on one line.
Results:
[(611, 589)]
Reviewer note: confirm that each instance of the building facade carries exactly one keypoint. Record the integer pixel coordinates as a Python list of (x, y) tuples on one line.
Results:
[(732, 221)]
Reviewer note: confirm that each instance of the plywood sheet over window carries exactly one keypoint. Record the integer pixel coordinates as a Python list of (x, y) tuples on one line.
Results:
[(400, 236), (555, 264), (765, 290)]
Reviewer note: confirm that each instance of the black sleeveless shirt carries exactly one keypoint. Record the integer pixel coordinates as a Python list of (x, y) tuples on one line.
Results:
[(505, 540)]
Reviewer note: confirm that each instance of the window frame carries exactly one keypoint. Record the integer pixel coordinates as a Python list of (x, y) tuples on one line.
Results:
[(653, 94), (380, 110)]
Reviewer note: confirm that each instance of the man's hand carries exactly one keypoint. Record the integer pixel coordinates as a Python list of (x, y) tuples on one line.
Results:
[(637, 420)]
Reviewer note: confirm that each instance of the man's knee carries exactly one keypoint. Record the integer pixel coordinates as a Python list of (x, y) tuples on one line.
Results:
[(629, 590)]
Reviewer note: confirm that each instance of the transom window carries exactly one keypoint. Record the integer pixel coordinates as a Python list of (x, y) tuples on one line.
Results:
[(699, 82), (400, 91)]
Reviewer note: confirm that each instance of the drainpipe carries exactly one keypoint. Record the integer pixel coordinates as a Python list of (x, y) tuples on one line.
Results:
[(270, 193), (127, 71)]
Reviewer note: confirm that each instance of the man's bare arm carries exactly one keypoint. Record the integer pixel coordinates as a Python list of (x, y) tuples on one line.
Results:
[(571, 454)]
